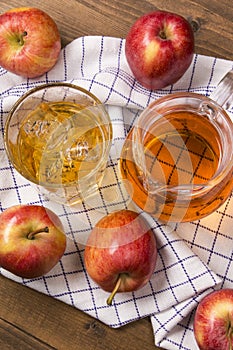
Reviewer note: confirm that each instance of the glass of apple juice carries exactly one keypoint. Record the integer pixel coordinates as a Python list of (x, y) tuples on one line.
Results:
[(58, 136)]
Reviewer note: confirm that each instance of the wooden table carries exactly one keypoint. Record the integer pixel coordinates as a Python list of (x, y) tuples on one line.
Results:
[(28, 319)]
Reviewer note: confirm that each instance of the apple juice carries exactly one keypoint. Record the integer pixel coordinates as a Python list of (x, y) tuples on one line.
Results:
[(60, 142), (187, 153)]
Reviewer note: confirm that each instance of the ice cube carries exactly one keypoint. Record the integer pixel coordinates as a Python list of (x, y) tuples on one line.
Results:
[(41, 121)]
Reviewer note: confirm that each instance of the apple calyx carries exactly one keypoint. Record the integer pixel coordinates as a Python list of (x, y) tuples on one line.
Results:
[(162, 34), (33, 233), (115, 290)]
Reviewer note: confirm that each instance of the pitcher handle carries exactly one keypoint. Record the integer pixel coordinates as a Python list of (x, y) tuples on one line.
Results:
[(223, 94)]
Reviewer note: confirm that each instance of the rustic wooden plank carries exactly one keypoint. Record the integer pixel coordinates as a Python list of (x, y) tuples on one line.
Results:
[(40, 320), (13, 338)]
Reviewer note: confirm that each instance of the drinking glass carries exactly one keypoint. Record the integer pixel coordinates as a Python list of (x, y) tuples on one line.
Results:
[(58, 136)]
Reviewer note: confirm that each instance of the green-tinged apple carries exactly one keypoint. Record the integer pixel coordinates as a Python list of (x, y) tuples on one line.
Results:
[(30, 42), (213, 321), (121, 252), (32, 240), (159, 48)]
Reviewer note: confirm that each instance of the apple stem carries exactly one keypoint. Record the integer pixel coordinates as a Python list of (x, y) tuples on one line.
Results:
[(33, 233), (117, 285), (21, 41)]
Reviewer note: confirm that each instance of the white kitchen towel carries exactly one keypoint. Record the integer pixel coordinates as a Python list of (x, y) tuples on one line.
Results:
[(193, 258)]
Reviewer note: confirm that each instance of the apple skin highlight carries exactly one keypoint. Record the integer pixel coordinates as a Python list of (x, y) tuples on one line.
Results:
[(32, 240), (30, 42), (213, 321), (159, 48), (121, 247)]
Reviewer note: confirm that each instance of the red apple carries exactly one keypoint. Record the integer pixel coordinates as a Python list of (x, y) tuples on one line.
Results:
[(121, 252), (29, 42), (31, 240), (213, 321), (159, 48)]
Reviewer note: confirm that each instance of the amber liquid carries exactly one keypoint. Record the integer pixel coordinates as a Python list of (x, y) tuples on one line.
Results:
[(57, 147), (187, 153)]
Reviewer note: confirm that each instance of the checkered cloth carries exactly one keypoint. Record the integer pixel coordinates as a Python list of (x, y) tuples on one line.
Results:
[(193, 258)]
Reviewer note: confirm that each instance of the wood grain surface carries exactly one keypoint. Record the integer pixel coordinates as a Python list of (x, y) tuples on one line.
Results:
[(28, 319)]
